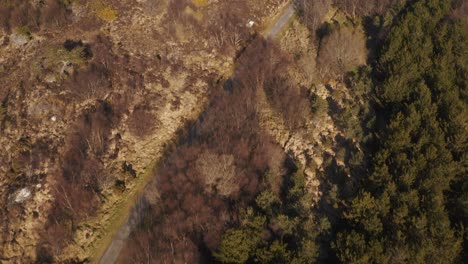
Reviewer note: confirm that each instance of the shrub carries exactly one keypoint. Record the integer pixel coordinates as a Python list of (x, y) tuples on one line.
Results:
[(108, 14), (142, 122), (313, 13), (24, 30), (319, 106)]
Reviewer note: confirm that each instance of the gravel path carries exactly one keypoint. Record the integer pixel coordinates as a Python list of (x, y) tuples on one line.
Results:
[(288, 13)]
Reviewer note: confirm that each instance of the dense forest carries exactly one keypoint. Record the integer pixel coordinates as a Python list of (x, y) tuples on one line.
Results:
[(386, 184), (409, 204), (400, 199)]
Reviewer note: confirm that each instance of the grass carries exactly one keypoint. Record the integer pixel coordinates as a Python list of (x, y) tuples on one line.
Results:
[(198, 15), (200, 3), (103, 11), (108, 14), (24, 30), (120, 215)]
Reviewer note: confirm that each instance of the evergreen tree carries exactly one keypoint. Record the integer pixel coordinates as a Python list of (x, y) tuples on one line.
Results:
[(400, 214)]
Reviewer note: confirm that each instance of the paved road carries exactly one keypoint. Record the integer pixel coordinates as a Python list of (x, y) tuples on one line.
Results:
[(113, 251)]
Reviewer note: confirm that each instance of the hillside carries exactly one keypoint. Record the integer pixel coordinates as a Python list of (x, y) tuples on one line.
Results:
[(207, 131)]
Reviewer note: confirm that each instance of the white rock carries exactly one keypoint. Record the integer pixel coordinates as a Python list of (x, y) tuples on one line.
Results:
[(250, 24), (23, 195), (53, 118), (19, 39), (50, 78)]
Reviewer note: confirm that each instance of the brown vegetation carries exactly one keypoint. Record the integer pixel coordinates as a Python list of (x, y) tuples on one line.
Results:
[(70, 87), (20, 13), (92, 82), (222, 160), (142, 121), (81, 179), (361, 8), (313, 13), (460, 9), (223, 25), (336, 58)]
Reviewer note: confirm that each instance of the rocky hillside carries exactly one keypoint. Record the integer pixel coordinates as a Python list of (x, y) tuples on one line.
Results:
[(90, 98)]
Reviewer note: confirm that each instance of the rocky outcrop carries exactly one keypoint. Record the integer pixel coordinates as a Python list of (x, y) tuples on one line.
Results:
[(162, 67), (306, 145)]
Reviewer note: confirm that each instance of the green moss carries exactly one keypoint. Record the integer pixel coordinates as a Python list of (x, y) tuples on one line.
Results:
[(24, 30), (3, 111)]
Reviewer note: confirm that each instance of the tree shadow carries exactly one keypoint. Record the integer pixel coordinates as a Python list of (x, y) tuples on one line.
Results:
[(43, 256)]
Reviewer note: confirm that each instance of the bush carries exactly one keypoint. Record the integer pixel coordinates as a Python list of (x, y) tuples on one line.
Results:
[(142, 122), (313, 13), (24, 30), (319, 106)]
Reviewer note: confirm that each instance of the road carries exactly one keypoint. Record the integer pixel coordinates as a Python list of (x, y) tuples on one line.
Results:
[(284, 18), (113, 251)]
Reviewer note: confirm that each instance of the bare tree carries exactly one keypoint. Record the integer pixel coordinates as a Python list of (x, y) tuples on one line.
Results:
[(341, 51), (313, 12), (460, 9), (219, 173), (355, 8)]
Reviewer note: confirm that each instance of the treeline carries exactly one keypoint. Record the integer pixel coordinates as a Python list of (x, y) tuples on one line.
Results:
[(410, 205), (228, 194)]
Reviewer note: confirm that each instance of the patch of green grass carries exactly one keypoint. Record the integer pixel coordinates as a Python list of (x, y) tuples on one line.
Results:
[(24, 30), (103, 11), (200, 3)]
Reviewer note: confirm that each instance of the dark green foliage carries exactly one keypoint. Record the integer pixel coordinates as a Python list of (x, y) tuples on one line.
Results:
[(275, 229), (319, 106), (401, 196), (355, 118), (235, 247), (400, 213)]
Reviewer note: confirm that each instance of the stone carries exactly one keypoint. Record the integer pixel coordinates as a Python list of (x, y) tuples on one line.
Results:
[(19, 39), (50, 78), (23, 195)]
